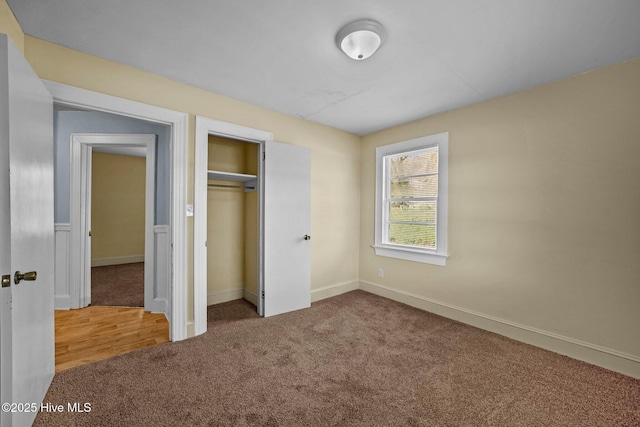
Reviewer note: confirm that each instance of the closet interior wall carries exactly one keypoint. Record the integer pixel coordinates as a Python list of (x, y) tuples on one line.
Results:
[(232, 224)]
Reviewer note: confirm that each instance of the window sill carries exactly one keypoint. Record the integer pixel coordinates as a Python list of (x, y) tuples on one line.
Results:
[(411, 255)]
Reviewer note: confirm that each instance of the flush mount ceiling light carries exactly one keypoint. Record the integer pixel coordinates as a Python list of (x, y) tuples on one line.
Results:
[(360, 39)]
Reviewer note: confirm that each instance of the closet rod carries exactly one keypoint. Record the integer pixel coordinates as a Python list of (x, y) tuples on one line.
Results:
[(229, 186)]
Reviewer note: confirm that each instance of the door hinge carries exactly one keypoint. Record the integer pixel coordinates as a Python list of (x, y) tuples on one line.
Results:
[(264, 155), (262, 294)]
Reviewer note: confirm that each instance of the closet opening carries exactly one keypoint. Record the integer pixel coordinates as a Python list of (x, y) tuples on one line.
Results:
[(233, 220), (256, 243)]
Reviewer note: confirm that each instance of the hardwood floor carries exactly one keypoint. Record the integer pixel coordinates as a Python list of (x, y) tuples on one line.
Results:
[(95, 333)]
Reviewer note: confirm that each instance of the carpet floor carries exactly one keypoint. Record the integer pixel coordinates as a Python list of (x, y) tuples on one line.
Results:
[(118, 285), (353, 360)]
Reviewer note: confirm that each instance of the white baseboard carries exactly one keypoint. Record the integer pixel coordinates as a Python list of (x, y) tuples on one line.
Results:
[(158, 305), (316, 294), (191, 330), (607, 358), (101, 262), (333, 290), (225, 296), (62, 302), (232, 295), (251, 297)]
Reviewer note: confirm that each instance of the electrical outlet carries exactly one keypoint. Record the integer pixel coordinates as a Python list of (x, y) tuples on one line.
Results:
[(380, 272)]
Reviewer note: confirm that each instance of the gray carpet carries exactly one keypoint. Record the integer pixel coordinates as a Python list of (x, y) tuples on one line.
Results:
[(352, 360)]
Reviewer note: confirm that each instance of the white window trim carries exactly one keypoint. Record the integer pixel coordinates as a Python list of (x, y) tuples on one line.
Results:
[(428, 256)]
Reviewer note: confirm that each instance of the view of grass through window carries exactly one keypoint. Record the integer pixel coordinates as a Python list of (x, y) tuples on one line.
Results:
[(412, 198)]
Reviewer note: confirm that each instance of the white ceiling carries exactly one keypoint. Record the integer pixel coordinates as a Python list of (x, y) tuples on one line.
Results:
[(439, 55)]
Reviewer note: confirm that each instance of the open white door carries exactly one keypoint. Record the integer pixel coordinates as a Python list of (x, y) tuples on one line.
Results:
[(287, 228), (26, 237)]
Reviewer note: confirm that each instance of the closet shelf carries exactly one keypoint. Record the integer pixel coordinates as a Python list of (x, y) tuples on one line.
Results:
[(249, 181)]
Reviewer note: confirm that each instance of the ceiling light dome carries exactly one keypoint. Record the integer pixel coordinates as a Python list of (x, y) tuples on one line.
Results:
[(360, 39)]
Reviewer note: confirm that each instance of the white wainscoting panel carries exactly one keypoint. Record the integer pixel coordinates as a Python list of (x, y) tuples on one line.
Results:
[(162, 263), (62, 286)]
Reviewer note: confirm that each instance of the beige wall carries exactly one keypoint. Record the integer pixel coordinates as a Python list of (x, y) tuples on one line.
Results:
[(544, 202), (232, 218), (335, 155), (117, 205)]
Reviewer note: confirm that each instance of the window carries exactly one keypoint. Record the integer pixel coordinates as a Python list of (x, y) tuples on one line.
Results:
[(411, 199)]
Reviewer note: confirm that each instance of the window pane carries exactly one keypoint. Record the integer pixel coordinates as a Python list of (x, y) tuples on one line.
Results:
[(423, 236), (413, 211), (424, 186), (414, 164)]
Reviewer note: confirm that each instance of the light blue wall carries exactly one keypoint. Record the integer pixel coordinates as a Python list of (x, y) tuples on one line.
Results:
[(68, 122)]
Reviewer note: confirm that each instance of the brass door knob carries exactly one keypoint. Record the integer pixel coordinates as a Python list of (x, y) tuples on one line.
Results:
[(30, 276)]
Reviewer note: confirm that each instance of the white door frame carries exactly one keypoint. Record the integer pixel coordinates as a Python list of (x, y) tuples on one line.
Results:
[(85, 99), (204, 128), (80, 214)]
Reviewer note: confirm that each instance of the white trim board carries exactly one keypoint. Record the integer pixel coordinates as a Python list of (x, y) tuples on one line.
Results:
[(116, 260), (161, 269), (85, 99), (607, 358), (62, 297)]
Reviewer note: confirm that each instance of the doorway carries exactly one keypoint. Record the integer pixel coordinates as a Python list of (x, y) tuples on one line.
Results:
[(124, 220), (118, 180), (284, 246), (82, 134), (82, 146), (233, 237), (174, 229)]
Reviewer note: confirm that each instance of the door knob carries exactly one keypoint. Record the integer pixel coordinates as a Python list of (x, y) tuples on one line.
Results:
[(30, 276), (307, 237)]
